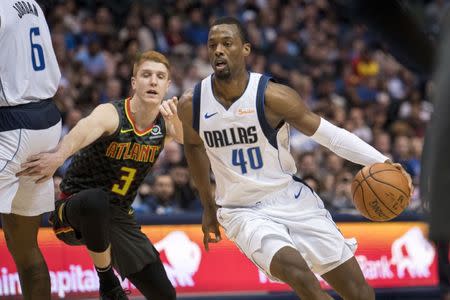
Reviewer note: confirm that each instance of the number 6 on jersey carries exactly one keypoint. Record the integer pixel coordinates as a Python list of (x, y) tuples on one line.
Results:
[(253, 155), (37, 53)]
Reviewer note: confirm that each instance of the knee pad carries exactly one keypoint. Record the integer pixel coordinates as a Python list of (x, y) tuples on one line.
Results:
[(95, 203)]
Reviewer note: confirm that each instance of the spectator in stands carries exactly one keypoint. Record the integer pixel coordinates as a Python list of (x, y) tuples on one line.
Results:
[(402, 155), (382, 142), (162, 201), (92, 57), (185, 195), (342, 200), (307, 165)]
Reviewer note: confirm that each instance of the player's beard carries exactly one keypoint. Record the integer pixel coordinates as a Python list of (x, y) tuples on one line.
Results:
[(224, 74)]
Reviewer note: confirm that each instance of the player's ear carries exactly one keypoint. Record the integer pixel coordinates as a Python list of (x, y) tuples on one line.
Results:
[(247, 49), (133, 83), (168, 85)]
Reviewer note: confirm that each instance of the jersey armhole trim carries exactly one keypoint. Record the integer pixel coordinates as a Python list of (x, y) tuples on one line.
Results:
[(196, 107), (119, 114), (269, 132)]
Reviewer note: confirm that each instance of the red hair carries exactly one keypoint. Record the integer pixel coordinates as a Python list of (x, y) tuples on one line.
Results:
[(150, 56)]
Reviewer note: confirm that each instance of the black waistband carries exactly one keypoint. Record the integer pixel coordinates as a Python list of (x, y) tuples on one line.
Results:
[(35, 115)]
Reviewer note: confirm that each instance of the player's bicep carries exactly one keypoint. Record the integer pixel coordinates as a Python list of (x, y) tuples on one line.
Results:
[(184, 110), (191, 136), (287, 105), (103, 120)]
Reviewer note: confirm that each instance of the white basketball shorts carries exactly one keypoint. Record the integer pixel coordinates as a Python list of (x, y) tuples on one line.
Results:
[(293, 217), (21, 195)]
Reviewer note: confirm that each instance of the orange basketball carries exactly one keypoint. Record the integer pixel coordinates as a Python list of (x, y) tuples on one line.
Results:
[(380, 192)]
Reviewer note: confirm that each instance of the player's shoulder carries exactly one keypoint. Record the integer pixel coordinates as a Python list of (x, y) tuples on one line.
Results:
[(278, 91), (105, 109), (184, 106), (186, 98)]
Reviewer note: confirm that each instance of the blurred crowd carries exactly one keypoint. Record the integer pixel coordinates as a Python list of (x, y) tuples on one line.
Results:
[(341, 70)]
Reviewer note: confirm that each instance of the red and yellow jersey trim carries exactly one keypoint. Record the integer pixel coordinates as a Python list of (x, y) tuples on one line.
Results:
[(131, 119), (63, 230)]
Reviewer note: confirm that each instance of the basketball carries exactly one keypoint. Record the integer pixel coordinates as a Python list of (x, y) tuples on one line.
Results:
[(380, 192)]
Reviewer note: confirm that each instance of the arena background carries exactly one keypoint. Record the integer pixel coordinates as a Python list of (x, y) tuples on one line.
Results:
[(343, 71)]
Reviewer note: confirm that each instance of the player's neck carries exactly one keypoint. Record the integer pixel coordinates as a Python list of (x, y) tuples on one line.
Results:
[(229, 90), (143, 114)]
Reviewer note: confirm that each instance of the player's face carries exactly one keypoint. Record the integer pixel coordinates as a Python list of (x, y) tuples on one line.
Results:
[(151, 82), (226, 50)]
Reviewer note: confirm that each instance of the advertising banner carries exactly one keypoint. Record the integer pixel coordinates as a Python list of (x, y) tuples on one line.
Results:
[(391, 255)]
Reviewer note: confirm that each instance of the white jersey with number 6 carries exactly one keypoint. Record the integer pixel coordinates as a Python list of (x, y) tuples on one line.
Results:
[(28, 68), (249, 158)]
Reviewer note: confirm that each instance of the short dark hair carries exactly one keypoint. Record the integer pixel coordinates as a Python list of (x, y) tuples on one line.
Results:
[(232, 21)]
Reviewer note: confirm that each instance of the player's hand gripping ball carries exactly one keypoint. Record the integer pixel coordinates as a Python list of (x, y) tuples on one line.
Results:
[(381, 191)]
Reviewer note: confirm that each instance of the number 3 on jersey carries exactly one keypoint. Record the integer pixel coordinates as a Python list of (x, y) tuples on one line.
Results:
[(37, 53), (127, 179), (252, 157)]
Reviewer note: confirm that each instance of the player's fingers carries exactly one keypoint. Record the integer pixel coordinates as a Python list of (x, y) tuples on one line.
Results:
[(411, 186), (205, 241), (217, 233), (27, 172), (163, 111), (173, 107), (30, 164), (34, 157), (398, 166), (408, 177), (43, 179), (410, 182), (22, 173), (174, 100), (170, 106), (168, 109)]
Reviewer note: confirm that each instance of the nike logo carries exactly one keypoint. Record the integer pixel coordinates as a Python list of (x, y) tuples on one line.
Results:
[(299, 192), (209, 116), (125, 130)]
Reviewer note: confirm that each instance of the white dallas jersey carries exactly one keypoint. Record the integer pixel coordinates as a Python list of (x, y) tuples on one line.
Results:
[(28, 67), (249, 158)]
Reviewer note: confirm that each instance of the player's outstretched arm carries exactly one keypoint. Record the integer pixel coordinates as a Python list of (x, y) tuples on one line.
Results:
[(199, 167), (103, 120), (283, 103)]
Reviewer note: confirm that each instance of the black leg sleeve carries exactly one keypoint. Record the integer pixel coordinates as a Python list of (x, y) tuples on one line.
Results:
[(153, 283), (88, 213)]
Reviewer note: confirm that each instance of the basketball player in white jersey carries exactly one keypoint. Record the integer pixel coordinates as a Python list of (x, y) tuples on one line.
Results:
[(29, 124), (237, 123)]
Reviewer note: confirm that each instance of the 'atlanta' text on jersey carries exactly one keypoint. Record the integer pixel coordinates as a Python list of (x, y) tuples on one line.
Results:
[(231, 136), (133, 151)]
